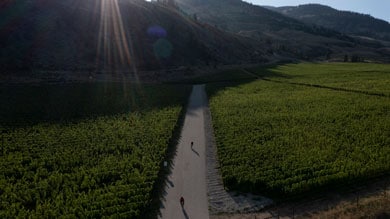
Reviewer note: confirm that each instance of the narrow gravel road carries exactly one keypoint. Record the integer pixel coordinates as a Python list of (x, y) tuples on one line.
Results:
[(188, 177)]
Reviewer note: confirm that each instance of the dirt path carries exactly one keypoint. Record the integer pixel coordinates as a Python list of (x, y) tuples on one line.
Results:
[(188, 177), (220, 200)]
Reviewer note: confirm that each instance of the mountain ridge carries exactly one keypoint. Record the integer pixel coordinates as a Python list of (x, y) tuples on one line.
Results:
[(346, 22), (132, 35), (286, 35)]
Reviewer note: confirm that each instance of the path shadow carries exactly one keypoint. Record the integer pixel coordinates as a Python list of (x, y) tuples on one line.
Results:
[(170, 183), (162, 183)]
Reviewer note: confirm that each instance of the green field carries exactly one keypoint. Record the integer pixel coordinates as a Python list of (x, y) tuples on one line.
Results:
[(84, 150), (360, 77), (281, 137)]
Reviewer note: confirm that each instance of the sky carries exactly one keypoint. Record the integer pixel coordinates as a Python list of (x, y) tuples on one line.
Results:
[(376, 8)]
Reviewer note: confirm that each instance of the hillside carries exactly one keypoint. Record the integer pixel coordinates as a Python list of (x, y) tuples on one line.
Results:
[(236, 16), (343, 21), (286, 35), (130, 35), (112, 35)]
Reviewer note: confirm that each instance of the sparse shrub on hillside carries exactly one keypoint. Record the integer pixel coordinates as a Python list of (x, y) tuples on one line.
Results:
[(356, 58), (346, 58)]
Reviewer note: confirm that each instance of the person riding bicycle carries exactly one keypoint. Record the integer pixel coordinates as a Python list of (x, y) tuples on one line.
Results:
[(182, 201)]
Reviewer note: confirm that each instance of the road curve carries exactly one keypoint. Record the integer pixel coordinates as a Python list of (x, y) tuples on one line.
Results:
[(188, 177)]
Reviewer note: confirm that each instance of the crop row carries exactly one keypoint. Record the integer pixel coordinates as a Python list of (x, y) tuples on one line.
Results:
[(362, 77), (86, 168), (288, 139)]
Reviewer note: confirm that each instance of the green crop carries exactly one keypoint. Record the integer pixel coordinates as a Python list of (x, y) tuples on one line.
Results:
[(360, 77), (280, 138), (104, 164)]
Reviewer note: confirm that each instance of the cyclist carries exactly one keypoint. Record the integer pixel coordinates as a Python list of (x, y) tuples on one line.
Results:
[(182, 201)]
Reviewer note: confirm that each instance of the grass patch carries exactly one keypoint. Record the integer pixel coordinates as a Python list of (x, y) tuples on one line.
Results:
[(236, 75)]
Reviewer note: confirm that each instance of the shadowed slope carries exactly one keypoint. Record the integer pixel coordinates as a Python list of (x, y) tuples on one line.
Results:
[(111, 35)]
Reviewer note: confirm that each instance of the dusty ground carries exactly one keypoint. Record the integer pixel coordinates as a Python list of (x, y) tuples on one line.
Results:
[(60, 77), (220, 200), (77, 76), (155, 76), (371, 201)]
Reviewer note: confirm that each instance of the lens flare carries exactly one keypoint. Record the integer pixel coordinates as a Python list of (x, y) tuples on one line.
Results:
[(157, 31), (162, 48), (114, 47)]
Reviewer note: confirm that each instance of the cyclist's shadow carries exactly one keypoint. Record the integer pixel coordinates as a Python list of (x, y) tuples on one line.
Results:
[(184, 212), (193, 150)]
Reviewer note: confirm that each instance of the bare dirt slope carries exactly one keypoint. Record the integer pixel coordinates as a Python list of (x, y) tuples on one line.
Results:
[(188, 177)]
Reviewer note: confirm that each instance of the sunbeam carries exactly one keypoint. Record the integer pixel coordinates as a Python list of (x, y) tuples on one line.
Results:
[(114, 43)]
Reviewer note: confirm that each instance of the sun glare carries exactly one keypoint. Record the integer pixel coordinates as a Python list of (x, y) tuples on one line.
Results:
[(114, 43)]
